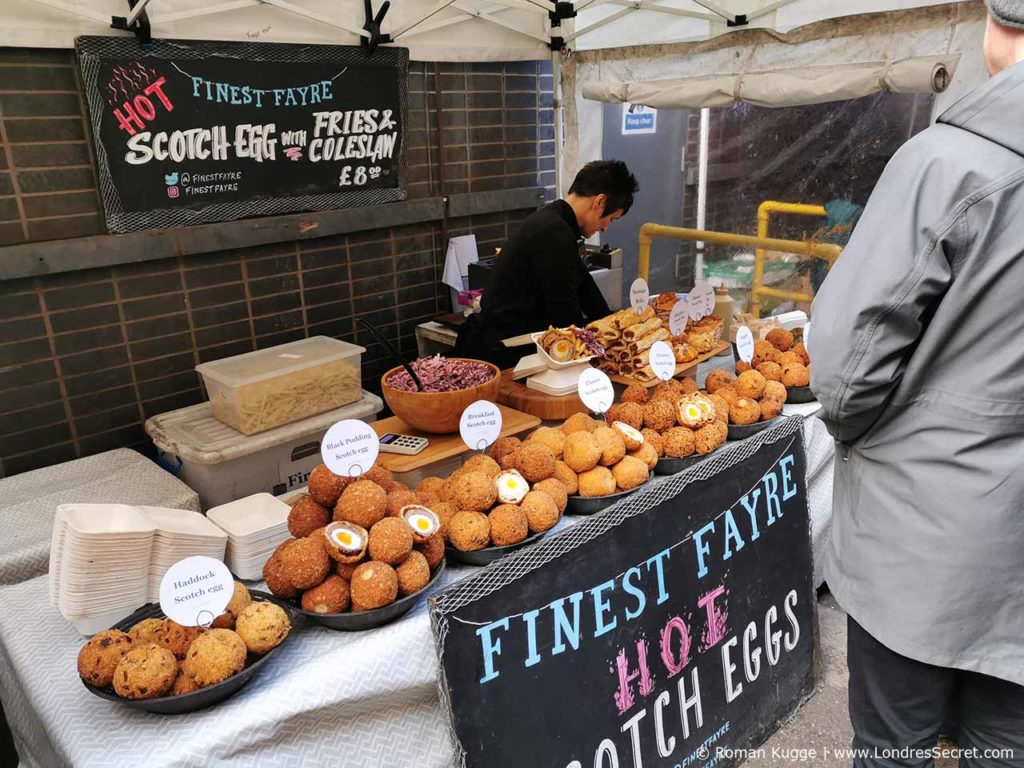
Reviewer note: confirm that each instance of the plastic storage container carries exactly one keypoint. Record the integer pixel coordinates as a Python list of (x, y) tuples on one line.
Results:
[(223, 465), (262, 390)]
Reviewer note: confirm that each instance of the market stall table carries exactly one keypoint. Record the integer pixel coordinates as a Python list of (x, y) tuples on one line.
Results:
[(28, 502)]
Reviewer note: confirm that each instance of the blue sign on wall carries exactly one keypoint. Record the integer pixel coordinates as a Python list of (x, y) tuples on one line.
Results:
[(637, 119)]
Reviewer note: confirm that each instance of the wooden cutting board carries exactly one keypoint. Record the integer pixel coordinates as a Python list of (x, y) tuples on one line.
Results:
[(442, 447), (516, 394)]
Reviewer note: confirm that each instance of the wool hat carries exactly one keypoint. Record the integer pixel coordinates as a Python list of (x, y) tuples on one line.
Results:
[(1009, 13)]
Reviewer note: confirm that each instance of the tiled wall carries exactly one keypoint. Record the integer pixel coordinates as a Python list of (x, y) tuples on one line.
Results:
[(86, 357)]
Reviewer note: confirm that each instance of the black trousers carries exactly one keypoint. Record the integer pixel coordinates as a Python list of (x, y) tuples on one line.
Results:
[(898, 706)]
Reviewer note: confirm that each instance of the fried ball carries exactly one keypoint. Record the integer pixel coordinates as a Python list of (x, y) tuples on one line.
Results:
[(729, 394), (325, 487), (669, 391), (787, 358), (541, 511), (427, 499), (183, 683), (482, 463), (655, 440), (613, 445), (635, 393), (146, 631), (100, 656), (578, 422), (330, 597), (721, 407), (659, 415), (716, 380), (445, 511), (687, 386), (374, 585), (379, 475), (306, 516), (146, 672), (627, 413), (345, 570), (764, 352), (597, 482), (305, 563), (475, 491), (432, 485), (743, 367), (413, 574), (176, 638), (567, 477), (448, 489), (632, 436), (240, 600), (554, 488), (723, 431), (390, 541), (363, 503), (770, 371), (263, 626), (551, 437), (646, 454), (582, 451), (796, 375), (770, 409), (469, 531), (535, 462), (630, 473), (275, 576), (509, 460), (509, 524), (780, 338), (750, 385), (679, 443), (432, 549), (502, 446), (397, 500), (215, 656), (745, 411), (775, 390), (801, 350), (708, 439)]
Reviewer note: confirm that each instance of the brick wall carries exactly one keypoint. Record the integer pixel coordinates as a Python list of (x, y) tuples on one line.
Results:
[(86, 357)]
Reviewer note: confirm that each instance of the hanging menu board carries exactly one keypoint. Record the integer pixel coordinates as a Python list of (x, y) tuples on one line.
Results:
[(191, 132), (675, 629)]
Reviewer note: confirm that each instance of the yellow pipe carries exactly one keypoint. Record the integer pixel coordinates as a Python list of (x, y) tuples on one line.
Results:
[(650, 230), (764, 213)]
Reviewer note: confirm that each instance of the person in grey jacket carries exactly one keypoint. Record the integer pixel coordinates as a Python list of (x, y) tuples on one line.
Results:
[(917, 357)]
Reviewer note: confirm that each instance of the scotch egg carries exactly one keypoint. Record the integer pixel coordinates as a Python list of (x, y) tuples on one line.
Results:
[(424, 522), (346, 542), (512, 487), (633, 437), (695, 411)]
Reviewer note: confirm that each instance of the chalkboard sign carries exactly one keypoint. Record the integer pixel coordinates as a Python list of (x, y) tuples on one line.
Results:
[(675, 629), (190, 132)]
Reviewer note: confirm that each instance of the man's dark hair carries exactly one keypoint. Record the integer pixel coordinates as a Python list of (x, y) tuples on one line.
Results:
[(606, 177)]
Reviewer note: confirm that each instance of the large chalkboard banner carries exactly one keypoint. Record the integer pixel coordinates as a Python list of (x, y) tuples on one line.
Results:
[(190, 132), (674, 630)]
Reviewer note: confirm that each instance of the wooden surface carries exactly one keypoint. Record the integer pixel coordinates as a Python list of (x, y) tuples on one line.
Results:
[(688, 370), (443, 447), (516, 394)]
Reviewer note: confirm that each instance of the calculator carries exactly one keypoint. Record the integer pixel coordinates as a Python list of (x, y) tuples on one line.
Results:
[(405, 444)]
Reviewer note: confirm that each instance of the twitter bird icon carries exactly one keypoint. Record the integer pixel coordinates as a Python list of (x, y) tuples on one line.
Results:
[(171, 179)]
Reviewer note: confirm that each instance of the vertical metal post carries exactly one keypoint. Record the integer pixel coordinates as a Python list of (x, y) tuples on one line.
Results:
[(702, 189)]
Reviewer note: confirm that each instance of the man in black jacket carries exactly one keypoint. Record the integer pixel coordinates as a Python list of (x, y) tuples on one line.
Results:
[(539, 279)]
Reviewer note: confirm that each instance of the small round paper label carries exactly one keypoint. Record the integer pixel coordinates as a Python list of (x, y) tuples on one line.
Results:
[(663, 360), (480, 424), (679, 315), (195, 591), (702, 300), (596, 391), (639, 295), (745, 344), (349, 448)]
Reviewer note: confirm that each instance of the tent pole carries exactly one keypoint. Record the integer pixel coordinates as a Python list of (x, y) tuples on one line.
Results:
[(702, 189), (556, 87)]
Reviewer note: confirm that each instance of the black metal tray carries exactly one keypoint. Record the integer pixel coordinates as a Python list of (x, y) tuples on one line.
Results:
[(743, 431), (668, 466), (488, 555), (204, 697), (591, 505), (800, 395), (357, 622)]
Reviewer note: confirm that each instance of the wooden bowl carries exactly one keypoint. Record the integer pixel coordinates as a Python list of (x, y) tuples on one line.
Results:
[(438, 413)]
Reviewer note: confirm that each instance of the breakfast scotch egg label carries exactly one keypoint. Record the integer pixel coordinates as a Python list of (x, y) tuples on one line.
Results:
[(663, 360), (595, 390), (480, 425), (639, 295), (195, 591), (745, 344), (349, 448)]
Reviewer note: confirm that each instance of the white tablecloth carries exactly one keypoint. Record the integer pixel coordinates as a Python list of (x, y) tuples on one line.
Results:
[(349, 700)]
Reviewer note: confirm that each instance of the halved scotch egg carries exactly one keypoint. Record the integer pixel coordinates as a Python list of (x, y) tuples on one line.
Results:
[(633, 437), (512, 487), (346, 542), (423, 521)]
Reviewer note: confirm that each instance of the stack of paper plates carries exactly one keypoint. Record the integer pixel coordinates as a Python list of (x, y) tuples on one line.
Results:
[(255, 525)]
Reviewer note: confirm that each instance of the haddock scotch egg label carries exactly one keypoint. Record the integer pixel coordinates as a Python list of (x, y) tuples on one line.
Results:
[(196, 590)]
